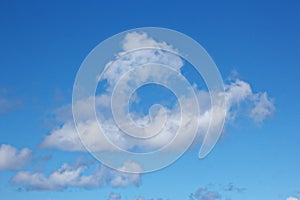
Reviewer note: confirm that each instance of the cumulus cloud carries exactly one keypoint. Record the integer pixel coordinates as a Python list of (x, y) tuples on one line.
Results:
[(66, 137), (135, 40), (292, 198), (12, 159), (74, 176), (237, 92), (125, 179), (260, 106), (63, 138)]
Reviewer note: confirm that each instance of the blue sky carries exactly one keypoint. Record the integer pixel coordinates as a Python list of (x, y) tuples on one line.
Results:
[(253, 43)]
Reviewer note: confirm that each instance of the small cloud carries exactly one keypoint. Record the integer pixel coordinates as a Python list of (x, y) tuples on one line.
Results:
[(136, 40), (263, 107), (292, 198), (232, 188), (12, 159), (76, 176)]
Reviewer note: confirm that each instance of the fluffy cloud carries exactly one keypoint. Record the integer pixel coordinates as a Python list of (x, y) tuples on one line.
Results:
[(124, 179), (74, 176), (263, 108), (12, 159), (260, 106), (135, 40), (292, 198), (237, 93), (63, 138)]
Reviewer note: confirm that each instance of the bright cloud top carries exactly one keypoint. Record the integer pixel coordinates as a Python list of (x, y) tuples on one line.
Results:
[(292, 198), (259, 106), (12, 159)]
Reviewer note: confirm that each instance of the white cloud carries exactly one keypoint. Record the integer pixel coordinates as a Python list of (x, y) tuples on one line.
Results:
[(263, 108), (63, 138), (74, 176), (237, 92), (292, 198), (124, 179), (135, 40), (66, 137), (12, 159), (127, 62)]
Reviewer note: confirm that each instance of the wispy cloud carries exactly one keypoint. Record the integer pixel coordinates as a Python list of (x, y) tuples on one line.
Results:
[(8, 105), (292, 198), (233, 188), (205, 194)]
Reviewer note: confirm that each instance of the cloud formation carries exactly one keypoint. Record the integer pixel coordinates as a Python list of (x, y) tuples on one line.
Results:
[(12, 159), (74, 176), (65, 137), (237, 92), (292, 198)]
